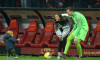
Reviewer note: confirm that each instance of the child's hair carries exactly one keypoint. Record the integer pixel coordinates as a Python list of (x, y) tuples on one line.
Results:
[(10, 32)]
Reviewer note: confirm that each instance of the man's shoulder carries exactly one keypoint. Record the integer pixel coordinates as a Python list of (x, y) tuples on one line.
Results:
[(77, 12)]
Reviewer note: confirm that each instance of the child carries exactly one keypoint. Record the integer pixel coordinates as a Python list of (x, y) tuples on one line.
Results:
[(10, 44)]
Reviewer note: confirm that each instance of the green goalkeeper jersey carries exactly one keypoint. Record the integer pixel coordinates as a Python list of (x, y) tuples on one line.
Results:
[(80, 25)]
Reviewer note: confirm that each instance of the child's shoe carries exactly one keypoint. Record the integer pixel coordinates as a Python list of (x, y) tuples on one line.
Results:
[(8, 57)]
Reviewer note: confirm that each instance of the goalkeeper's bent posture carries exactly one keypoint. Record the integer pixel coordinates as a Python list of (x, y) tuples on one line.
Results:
[(78, 32)]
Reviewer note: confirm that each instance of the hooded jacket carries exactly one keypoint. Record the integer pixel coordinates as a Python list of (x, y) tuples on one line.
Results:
[(63, 27), (10, 41)]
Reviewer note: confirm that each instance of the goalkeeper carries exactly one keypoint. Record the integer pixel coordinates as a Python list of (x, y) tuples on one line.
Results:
[(78, 32)]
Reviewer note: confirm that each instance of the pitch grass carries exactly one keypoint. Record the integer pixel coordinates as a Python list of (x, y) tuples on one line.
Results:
[(23, 57)]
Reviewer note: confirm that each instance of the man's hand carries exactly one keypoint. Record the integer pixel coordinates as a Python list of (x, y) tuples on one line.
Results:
[(75, 40)]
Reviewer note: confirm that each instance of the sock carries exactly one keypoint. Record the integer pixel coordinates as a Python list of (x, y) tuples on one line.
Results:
[(59, 54)]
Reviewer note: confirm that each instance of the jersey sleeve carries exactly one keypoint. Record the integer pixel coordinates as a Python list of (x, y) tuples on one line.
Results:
[(78, 29)]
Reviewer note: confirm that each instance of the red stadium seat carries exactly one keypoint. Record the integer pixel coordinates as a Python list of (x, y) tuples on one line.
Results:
[(45, 35), (97, 37), (14, 27), (31, 33), (49, 29), (93, 32)]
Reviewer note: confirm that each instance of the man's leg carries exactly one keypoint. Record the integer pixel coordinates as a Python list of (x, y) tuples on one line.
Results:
[(78, 46), (70, 37)]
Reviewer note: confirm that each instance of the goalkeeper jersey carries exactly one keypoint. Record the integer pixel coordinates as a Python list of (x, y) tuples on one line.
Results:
[(80, 23)]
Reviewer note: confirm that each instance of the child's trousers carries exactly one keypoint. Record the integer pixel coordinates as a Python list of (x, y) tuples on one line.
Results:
[(11, 52)]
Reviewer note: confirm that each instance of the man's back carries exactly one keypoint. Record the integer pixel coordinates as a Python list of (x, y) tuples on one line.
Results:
[(79, 18)]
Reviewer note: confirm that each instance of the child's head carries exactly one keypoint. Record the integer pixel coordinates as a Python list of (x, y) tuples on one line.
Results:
[(10, 32)]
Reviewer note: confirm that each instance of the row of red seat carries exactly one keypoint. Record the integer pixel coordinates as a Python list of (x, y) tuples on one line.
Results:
[(34, 37)]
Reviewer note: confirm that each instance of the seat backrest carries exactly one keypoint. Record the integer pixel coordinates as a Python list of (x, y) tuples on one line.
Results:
[(95, 34), (98, 26), (32, 27), (97, 37), (13, 24), (14, 27), (31, 33), (49, 27)]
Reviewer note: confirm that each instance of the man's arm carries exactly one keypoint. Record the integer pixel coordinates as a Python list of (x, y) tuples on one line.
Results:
[(79, 25), (78, 29), (75, 26)]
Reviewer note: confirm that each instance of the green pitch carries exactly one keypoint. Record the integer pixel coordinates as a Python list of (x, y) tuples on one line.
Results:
[(42, 58)]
